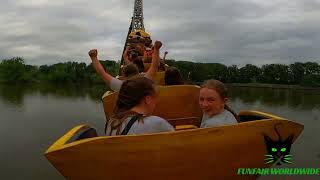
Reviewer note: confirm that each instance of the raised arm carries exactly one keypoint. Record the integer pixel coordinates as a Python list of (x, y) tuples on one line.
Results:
[(152, 71), (164, 56), (98, 67)]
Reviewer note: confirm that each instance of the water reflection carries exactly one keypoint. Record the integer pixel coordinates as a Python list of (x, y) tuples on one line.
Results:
[(15, 93), (96, 92), (302, 99)]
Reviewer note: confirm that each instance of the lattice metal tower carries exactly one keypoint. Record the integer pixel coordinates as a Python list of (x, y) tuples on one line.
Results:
[(136, 23), (137, 19)]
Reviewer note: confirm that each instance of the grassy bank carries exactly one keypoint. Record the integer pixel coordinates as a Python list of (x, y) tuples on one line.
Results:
[(273, 86)]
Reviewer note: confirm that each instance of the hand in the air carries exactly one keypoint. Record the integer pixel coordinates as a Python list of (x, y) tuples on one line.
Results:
[(93, 53), (157, 44)]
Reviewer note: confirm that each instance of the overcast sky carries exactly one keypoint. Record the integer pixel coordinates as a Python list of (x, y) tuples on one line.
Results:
[(223, 31)]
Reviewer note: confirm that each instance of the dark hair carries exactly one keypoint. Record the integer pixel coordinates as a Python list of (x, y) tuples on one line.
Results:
[(173, 77), (134, 56), (221, 89), (131, 94), (139, 63), (130, 70), (135, 59)]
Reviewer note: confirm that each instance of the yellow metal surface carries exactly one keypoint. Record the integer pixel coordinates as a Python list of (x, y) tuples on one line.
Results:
[(207, 153), (258, 113), (185, 127), (159, 79), (61, 142), (143, 34)]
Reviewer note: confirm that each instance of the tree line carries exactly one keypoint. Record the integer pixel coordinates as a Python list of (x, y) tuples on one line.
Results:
[(294, 74), (15, 70)]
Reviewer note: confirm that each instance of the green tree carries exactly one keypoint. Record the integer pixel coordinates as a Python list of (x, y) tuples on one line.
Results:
[(12, 70), (249, 74), (312, 68), (296, 72), (15, 70), (275, 74), (29, 74), (232, 74)]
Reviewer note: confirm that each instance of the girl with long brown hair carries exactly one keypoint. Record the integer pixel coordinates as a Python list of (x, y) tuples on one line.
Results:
[(135, 104), (213, 102)]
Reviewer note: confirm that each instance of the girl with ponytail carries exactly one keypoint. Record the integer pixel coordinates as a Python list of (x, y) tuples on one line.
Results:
[(136, 102)]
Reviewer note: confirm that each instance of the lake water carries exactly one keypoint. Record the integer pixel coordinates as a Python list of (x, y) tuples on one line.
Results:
[(32, 117)]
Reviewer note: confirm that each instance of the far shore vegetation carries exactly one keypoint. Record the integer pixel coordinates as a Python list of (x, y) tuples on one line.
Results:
[(15, 70)]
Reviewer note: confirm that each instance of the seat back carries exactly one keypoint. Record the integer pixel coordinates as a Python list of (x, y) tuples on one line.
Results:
[(173, 102)]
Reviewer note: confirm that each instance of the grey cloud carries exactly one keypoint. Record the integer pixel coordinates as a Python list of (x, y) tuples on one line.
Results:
[(244, 39), (229, 32)]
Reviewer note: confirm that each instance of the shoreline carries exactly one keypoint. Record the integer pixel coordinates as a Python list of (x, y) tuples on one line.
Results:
[(251, 85), (271, 86)]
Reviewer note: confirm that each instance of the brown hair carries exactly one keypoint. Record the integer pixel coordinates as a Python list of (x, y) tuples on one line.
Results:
[(131, 94), (173, 77), (221, 89), (139, 63), (130, 70)]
